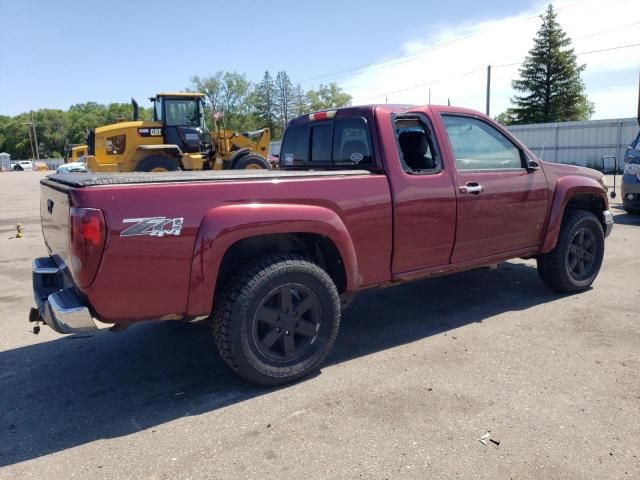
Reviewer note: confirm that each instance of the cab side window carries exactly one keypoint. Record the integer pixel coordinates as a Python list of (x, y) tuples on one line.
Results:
[(351, 143), (477, 145), (339, 143), (294, 151), (415, 146)]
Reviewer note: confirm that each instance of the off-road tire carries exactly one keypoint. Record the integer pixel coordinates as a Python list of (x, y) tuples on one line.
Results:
[(157, 163), (251, 161), (235, 316), (555, 267)]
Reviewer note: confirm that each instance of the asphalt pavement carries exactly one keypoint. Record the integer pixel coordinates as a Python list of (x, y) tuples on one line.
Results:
[(419, 374)]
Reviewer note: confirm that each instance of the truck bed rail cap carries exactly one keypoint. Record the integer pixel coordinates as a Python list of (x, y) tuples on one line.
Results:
[(91, 179)]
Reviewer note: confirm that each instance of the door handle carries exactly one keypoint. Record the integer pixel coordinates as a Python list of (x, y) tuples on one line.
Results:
[(471, 187)]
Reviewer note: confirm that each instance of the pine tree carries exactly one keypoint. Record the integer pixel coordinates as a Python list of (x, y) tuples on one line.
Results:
[(301, 104), (550, 84), (264, 102), (284, 99)]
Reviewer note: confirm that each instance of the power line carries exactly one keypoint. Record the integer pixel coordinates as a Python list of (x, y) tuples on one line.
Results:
[(405, 58), (426, 84), (413, 87), (619, 47), (622, 27)]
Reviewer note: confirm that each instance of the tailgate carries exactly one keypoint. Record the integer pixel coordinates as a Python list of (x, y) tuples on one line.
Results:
[(54, 216)]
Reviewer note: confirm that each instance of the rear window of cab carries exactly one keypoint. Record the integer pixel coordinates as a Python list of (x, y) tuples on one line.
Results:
[(339, 143)]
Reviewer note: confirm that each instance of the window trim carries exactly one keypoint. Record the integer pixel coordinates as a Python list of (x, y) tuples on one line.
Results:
[(422, 118), (523, 161)]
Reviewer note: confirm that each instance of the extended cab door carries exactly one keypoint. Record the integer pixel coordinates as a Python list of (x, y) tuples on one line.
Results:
[(424, 200), (502, 204)]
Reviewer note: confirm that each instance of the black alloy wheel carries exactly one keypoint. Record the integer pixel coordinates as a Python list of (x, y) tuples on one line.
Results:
[(287, 322), (276, 320), (581, 254)]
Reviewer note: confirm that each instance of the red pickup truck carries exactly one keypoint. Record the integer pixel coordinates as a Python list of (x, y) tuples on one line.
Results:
[(365, 197)]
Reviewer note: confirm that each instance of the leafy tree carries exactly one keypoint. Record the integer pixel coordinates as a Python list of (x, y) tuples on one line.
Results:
[(328, 96), (550, 84), (506, 117), (227, 92), (211, 86), (236, 90)]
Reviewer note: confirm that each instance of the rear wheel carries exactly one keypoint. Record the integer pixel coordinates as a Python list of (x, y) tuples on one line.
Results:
[(157, 164), (277, 320), (251, 162), (574, 263)]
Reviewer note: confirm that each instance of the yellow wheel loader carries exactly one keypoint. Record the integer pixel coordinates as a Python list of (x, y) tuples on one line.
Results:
[(176, 139), (75, 152)]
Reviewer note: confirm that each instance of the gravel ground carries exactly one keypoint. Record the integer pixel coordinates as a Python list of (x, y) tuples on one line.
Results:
[(419, 373)]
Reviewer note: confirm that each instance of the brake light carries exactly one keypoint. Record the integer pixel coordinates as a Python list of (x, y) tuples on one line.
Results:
[(87, 236), (326, 115)]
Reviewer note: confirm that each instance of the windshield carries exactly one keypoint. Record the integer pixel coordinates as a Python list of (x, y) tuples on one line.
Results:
[(179, 112)]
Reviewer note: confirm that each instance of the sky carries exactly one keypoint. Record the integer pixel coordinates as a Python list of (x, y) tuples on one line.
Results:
[(54, 54)]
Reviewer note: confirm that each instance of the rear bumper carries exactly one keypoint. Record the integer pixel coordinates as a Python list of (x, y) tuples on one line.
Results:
[(57, 301)]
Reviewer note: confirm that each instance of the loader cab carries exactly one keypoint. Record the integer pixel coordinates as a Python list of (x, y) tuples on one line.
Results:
[(182, 118)]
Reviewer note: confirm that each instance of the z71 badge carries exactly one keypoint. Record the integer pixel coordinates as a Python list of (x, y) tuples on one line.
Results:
[(152, 227)]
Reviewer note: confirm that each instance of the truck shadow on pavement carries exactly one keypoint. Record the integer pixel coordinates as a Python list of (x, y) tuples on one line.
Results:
[(60, 394)]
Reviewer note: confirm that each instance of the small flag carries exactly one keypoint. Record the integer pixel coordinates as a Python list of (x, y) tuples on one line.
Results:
[(218, 115)]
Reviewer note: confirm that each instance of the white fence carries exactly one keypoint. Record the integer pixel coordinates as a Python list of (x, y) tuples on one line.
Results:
[(579, 143)]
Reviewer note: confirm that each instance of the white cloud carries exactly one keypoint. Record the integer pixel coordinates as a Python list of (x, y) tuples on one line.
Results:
[(452, 61)]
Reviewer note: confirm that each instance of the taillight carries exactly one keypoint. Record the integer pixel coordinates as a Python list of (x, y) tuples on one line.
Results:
[(87, 235)]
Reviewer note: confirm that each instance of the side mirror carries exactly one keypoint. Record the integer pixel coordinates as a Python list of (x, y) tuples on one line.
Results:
[(532, 165)]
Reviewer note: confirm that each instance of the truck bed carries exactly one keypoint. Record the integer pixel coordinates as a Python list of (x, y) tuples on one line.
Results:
[(79, 180)]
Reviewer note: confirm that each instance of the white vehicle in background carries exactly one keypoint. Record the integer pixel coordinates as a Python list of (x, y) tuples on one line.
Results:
[(22, 166), (72, 167)]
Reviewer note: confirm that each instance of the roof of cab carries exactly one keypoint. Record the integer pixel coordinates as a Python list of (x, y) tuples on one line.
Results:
[(390, 108)]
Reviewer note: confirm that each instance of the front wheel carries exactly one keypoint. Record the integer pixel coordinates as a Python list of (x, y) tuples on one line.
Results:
[(157, 164), (251, 162), (574, 263), (277, 320)]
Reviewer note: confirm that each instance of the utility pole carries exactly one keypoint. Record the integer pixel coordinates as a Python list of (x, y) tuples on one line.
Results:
[(429, 95), (35, 137), (386, 99), (488, 88), (33, 153)]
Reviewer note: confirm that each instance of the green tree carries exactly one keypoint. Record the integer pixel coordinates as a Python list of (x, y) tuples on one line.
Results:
[(550, 86), (227, 92), (263, 100), (506, 117), (284, 99), (327, 96), (300, 101)]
